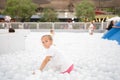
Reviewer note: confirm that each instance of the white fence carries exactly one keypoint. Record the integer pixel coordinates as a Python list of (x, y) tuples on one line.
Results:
[(56, 25)]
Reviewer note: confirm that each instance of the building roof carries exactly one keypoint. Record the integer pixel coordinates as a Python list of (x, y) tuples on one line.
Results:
[(63, 4)]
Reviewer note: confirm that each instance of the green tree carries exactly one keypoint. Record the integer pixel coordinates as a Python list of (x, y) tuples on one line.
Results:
[(49, 15), (117, 11), (85, 10), (20, 9)]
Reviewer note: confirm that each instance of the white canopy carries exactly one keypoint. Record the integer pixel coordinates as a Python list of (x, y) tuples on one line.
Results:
[(35, 16), (116, 18)]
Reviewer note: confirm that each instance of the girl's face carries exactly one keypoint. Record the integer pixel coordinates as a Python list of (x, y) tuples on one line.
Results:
[(46, 42)]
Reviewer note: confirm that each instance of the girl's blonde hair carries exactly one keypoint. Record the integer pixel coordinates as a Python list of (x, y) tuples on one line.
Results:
[(49, 36)]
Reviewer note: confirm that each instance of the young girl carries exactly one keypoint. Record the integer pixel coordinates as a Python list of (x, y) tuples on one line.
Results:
[(54, 59)]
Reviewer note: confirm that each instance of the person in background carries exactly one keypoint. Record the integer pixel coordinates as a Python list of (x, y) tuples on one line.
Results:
[(110, 25), (52, 32), (91, 28)]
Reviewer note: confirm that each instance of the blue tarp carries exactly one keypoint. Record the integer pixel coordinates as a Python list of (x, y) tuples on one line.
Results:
[(117, 24), (113, 34)]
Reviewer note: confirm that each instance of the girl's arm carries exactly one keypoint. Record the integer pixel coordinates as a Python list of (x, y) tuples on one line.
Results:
[(45, 61)]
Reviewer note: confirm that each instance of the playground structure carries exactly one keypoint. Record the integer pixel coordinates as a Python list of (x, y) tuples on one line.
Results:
[(114, 33)]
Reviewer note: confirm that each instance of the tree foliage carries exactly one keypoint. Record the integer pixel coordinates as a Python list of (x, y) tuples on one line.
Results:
[(49, 15), (21, 9), (117, 11), (85, 10)]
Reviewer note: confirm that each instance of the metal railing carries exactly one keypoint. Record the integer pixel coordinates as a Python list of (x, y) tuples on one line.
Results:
[(100, 26)]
